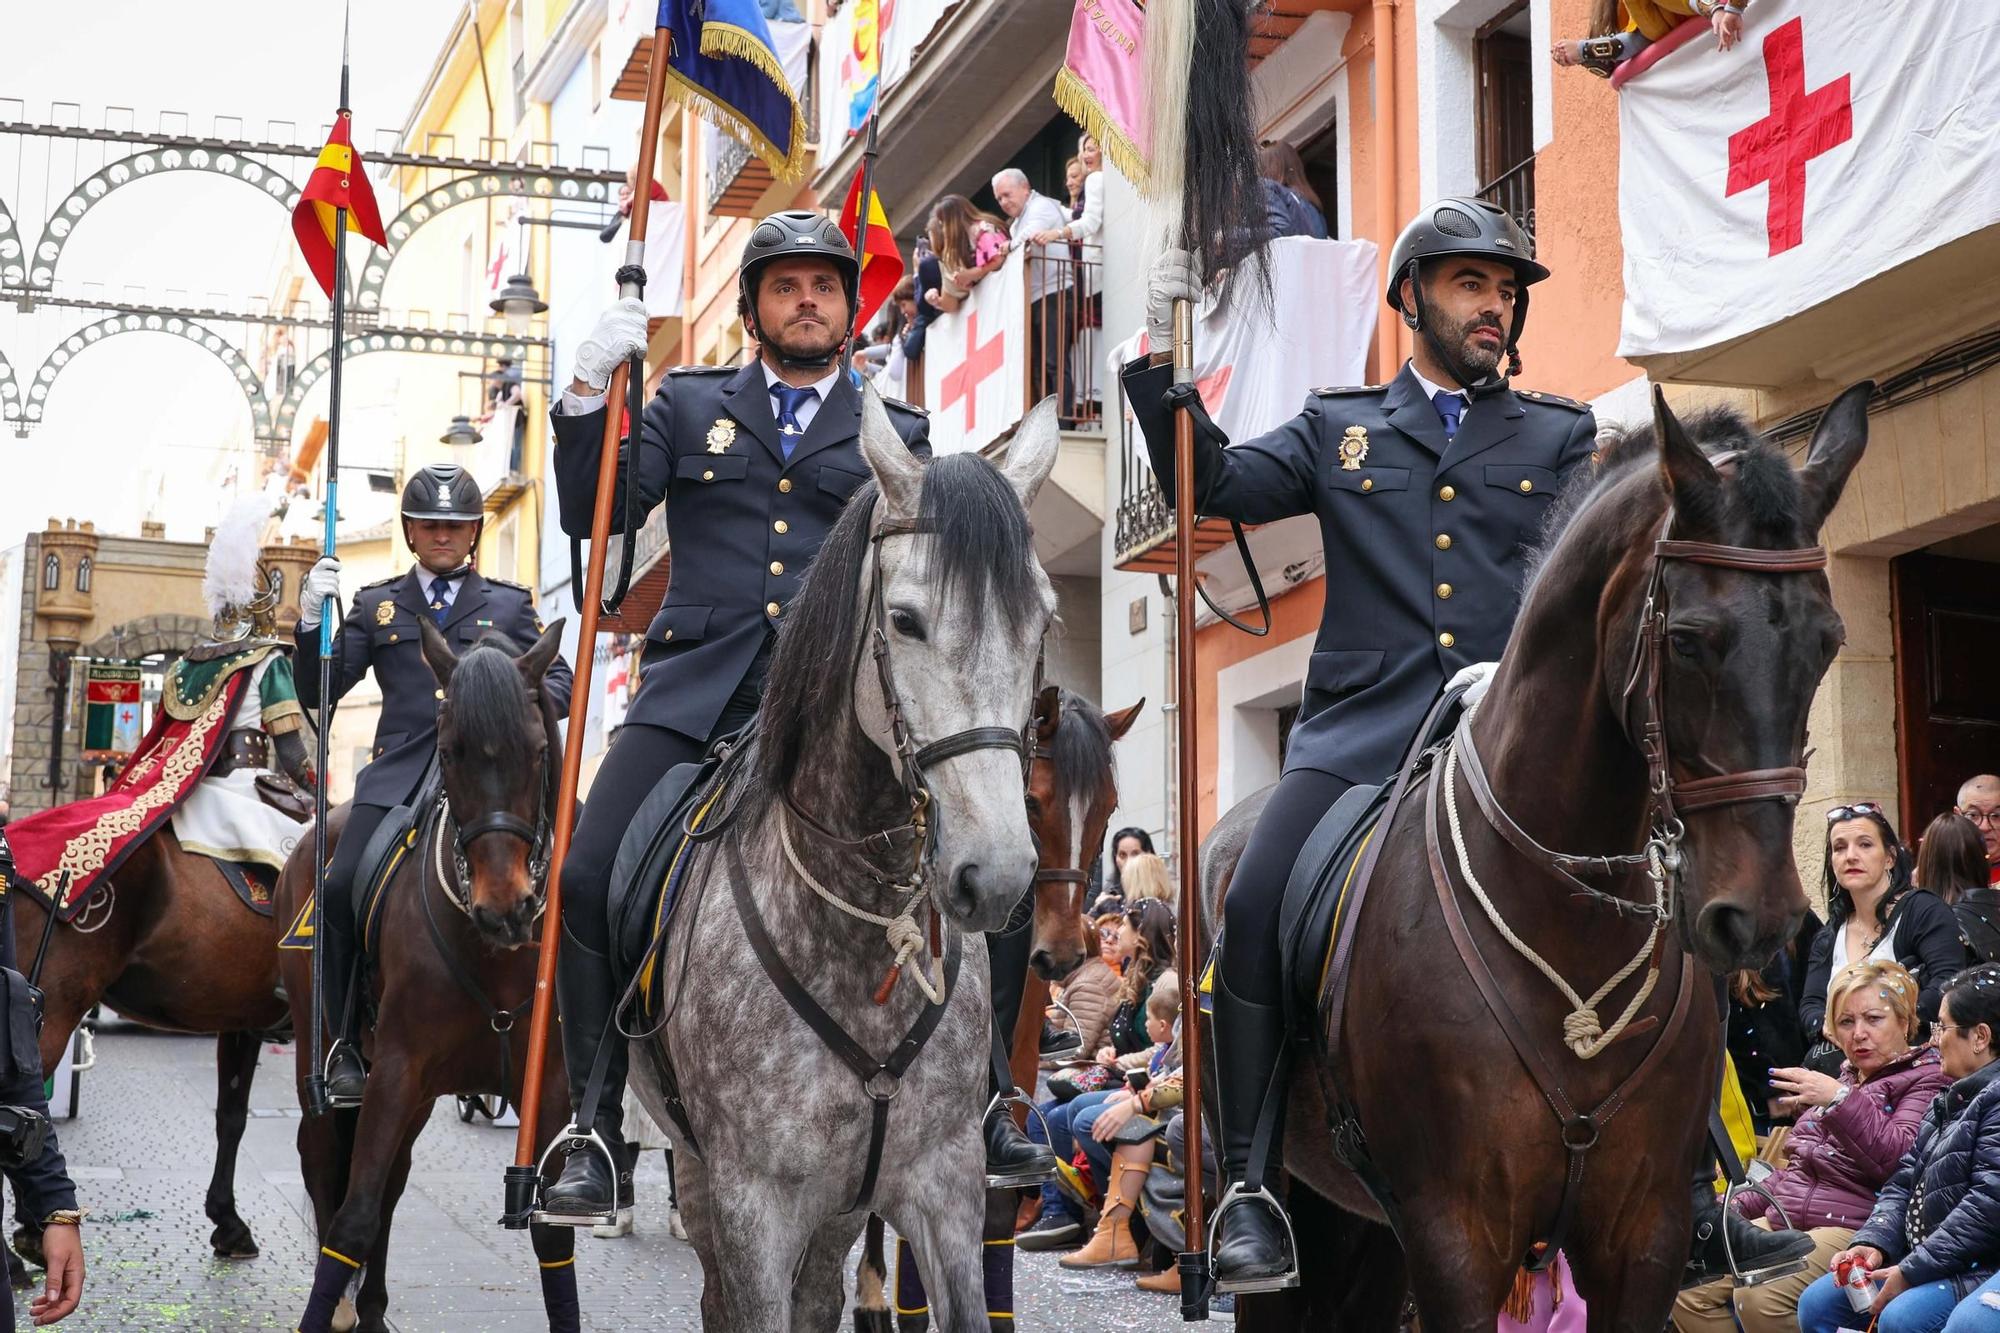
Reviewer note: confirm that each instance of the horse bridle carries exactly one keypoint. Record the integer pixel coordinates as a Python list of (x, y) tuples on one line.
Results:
[(539, 836)]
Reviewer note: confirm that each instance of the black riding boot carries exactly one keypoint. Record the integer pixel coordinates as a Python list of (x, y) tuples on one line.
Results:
[(586, 995), (1253, 1243), (1759, 1255), (346, 1077), (1013, 1160)]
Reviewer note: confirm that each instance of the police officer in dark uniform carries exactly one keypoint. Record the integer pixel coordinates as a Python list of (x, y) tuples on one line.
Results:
[(1430, 490), (42, 1188), (442, 514), (754, 464)]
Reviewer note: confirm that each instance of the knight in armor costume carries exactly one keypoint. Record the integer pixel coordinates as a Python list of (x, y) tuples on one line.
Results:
[(442, 512), (1429, 491), (754, 465)]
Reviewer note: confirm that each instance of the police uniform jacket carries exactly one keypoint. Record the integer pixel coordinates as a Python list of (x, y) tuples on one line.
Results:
[(42, 1186), (382, 631), (743, 522), (1426, 542)]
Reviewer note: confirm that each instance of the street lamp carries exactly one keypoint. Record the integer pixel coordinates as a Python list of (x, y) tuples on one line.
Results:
[(461, 433), (519, 302)]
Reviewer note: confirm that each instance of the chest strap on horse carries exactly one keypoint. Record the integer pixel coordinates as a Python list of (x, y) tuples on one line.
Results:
[(500, 1020), (1580, 1131), (880, 1079)]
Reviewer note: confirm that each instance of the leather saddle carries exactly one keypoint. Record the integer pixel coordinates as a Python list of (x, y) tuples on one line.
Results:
[(652, 861), (397, 838)]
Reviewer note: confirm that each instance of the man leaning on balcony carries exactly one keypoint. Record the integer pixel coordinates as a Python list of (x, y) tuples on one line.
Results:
[(1051, 312), (1429, 491)]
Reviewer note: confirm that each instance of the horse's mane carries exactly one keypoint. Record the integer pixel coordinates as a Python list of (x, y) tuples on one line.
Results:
[(1082, 749), (981, 549), (1763, 488), (487, 690)]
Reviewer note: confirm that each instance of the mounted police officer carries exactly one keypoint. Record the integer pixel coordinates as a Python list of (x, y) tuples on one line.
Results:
[(754, 464), (1429, 490), (442, 514)]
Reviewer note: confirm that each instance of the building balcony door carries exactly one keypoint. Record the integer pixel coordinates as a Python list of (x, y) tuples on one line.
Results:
[(1947, 617)]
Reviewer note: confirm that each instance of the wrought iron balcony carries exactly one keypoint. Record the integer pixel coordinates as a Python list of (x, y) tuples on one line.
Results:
[(1514, 190)]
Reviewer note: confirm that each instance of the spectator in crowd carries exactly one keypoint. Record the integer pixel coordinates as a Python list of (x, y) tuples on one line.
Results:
[(1978, 912), (1292, 175), (1126, 843), (1932, 1242), (1951, 858), (1979, 801), (1090, 993), (1284, 211), (1035, 216), (928, 278), (1116, 1134), (1764, 1028), (969, 245), (1874, 911), (1852, 1132), (1146, 877), (1651, 20)]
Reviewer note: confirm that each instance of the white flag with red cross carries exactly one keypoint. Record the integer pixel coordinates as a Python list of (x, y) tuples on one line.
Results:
[(1837, 141), (976, 362)]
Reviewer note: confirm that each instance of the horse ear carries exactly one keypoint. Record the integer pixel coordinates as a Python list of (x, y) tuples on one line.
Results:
[(535, 662), (437, 653), (1120, 722), (1837, 445), (898, 472), (1031, 454), (1048, 711), (1691, 480)]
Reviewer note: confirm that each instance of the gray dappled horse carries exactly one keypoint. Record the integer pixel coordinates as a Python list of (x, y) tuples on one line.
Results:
[(886, 762)]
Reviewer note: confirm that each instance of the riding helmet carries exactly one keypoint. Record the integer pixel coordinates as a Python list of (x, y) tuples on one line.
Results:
[(443, 491), (796, 232), (1459, 227)]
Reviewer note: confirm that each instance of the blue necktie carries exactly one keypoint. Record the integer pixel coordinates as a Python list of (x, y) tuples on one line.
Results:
[(1450, 407), (790, 400), (439, 606)]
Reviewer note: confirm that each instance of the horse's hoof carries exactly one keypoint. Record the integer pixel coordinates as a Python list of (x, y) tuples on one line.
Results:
[(621, 1225), (28, 1245), (675, 1227), (233, 1241), (238, 1253), (344, 1318), (18, 1275), (873, 1321)]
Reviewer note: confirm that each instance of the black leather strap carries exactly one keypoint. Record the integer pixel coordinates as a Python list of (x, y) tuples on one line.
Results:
[(966, 742), (500, 1020)]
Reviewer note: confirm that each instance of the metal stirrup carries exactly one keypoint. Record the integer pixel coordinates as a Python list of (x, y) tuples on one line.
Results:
[(1074, 1033), (1235, 1196), (1756, 1276), (1014, 1096), (573, 1138), (325, 1072)]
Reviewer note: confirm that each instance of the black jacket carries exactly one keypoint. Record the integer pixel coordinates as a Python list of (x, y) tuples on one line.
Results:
[(1769, 1035), (743, 522), (1956, 1162), (43, 1186), (1927, 943), (381, 632), (1426, 541)]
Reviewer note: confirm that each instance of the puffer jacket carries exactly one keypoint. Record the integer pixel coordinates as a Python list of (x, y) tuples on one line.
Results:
[(1939, 1215), (1091, 993), (1841, 1157)]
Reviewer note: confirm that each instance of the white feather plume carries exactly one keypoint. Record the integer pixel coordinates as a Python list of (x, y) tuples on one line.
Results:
[(231, 579)]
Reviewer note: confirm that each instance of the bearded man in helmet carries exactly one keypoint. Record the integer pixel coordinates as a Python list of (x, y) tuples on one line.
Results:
[(442, 512), (1430, 491)]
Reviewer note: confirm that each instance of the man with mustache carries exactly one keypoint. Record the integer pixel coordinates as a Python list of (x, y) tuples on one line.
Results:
[(1430, 491)]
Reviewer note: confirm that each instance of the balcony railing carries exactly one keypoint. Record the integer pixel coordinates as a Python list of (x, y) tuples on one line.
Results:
[(1514, 191), (1143, 537), (1065, 332)]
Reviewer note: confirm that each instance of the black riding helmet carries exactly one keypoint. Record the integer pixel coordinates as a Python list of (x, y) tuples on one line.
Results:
[(798, 232), (1461, 228), (443, 491)]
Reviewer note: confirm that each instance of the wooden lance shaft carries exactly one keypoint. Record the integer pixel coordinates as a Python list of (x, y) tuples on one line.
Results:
[(1188, 773), (589, 608)]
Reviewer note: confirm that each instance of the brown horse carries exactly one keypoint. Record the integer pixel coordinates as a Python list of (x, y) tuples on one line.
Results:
[(452, 972), (1653, 697), (174, 948), (1072, 790)]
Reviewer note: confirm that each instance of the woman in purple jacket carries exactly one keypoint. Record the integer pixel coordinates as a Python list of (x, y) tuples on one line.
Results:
[(1851, 1134)]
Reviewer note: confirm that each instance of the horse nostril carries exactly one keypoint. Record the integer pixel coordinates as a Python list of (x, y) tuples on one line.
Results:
[(1043, 962), (1730, 931), (965, 887)]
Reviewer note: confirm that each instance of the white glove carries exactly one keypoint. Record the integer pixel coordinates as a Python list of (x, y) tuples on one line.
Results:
[(322, 582), (620, 331), (1475, 678), (1173, 279)]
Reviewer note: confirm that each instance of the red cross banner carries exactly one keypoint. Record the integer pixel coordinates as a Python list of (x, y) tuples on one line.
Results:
[(1835, 142), (976, 363)]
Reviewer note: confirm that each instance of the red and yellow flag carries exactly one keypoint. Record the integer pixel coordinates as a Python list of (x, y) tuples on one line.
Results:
[(338, 181), (881, 260)]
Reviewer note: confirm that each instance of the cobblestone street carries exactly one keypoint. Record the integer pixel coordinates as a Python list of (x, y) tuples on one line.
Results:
[(142, 1147)]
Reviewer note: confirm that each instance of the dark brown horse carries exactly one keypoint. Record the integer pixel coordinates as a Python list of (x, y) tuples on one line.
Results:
[(451, 972), (1655, 691), (171, 946), (1072, 790)]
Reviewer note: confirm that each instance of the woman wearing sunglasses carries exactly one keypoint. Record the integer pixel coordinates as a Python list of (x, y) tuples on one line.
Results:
[(1874, 911)]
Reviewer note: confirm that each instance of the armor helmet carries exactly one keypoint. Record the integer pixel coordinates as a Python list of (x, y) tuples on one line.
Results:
[(798, 233), (1463, 228), (242, 595), (443, 491)]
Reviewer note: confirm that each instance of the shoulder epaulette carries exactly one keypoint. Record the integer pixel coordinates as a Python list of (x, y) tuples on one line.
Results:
[(1552, 399), (911, 408), (704, 370), (509, 583), (1348, 389), (381, 583)]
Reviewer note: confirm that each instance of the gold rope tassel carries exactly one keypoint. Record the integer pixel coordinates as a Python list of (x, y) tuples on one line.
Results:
[(1520, 1306), (1080, 104)]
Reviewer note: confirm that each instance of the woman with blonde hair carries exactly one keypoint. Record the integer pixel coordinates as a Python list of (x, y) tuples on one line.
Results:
[(1852, 1131), (1145, 876)]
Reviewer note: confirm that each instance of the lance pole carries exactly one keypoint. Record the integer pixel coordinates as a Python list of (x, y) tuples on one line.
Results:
[(521, 1176)]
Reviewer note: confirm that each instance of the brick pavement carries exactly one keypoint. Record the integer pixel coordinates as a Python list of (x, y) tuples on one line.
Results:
[(143, 1146)]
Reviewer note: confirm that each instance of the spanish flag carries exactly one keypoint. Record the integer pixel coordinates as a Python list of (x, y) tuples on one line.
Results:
[(338, 181), (881, 260)]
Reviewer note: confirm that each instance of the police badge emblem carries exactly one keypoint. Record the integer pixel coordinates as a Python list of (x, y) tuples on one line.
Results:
[(385, 611), (721, 435), (1353, 448)]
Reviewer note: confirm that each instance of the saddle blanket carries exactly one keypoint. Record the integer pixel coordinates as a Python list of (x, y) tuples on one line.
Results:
[(253, 883), (395, 839)]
